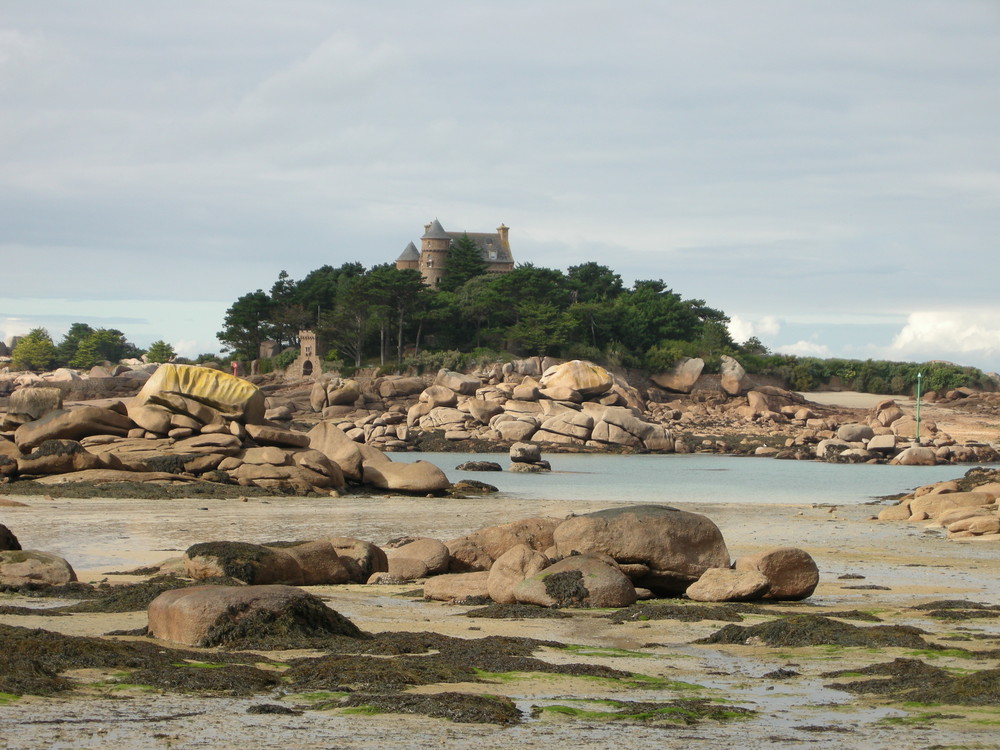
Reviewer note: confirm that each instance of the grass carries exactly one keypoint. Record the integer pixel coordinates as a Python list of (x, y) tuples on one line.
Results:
[(6, 698), (954, 653)]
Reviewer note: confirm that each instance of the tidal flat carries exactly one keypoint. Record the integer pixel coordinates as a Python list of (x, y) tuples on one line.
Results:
[(590, 679)]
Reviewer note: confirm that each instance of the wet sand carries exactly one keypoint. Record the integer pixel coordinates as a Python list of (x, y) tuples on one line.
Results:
[(908, 563)]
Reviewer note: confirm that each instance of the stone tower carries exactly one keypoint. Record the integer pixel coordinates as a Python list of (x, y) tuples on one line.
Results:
[(434, 248)]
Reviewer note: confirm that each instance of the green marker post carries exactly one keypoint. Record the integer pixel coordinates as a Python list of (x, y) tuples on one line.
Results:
[(919, 376)]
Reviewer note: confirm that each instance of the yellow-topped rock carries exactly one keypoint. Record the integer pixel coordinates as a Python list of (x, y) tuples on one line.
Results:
[(234, 398)]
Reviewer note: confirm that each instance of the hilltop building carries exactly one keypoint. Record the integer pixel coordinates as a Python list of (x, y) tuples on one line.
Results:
[(435, 244)]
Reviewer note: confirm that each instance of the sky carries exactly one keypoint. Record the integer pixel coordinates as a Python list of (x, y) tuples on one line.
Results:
[(827, 173)]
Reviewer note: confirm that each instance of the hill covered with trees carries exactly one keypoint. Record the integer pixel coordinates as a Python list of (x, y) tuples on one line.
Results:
[(387, 317)]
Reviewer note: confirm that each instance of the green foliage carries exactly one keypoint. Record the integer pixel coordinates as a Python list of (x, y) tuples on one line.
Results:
[(160, 351), (465, 261), (248, 323), (383, 314), (866, 376), (34, 352), (71, 342), (283, 360)]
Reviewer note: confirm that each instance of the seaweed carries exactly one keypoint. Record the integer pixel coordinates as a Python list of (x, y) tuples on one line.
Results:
[(32, 660), (566, 588), (239, 560), (517, 612), (458, 707), (914, 681), (671, 713), (301, 623), (682, 612), (815, 630)]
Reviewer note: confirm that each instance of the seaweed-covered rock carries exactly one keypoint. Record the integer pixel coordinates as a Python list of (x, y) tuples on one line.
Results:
[(792, 572), (814, 630), (675, 545), (251, 563), (210, 616), (20, 567), (7, 539), (577, 581)]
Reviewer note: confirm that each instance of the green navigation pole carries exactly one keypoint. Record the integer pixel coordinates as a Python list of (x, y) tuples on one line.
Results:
[(919, 375)]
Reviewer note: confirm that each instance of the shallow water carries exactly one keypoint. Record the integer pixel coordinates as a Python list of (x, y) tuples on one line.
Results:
[(694, 478)]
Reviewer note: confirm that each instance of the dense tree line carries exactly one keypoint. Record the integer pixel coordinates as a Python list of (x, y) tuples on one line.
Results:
[(386, 315), (81, 348)]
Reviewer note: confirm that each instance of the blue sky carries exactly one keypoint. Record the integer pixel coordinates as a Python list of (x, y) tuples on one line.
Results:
[(826, 173)]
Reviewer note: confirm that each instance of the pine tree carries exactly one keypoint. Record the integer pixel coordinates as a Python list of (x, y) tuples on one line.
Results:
[(465, 261)]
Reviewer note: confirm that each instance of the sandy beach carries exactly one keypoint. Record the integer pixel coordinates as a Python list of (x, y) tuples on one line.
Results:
[(880, 568)]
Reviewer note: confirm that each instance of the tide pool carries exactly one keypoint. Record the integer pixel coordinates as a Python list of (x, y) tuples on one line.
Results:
[(693, 478)]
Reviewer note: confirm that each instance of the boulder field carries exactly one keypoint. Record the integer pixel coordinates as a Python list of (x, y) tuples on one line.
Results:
[(196, 424), (610, 558), (966, 508)]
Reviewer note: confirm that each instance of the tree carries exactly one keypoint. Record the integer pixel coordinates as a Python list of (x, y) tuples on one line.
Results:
[(479, 300), (160, 351), (34, 352), (465, 261), (350, 323), (287, 316), (541, 328), (592, 282), (247, 325), (66, 349)]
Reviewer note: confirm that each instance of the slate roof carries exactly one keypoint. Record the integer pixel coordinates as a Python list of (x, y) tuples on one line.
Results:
[(436, 232), (487, 242), (409, 253)]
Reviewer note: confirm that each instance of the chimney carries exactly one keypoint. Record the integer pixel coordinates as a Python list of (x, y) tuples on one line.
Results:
[(502, 232)]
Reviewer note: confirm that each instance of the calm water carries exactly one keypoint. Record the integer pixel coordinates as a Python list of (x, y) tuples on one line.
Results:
[(694, 478)]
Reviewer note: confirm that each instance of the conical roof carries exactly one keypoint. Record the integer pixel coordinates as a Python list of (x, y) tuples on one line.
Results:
[(409, 253), (435, 232)]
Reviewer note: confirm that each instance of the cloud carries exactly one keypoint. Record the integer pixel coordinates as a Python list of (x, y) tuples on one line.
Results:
[(962, 335), (805, 349), (742, 329)]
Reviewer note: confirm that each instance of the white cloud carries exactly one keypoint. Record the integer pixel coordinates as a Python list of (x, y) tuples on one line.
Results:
[(742, 329), (805, 349), (954, 334)]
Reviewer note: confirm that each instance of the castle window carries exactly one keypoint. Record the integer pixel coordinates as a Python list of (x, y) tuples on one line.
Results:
[(493, 254)]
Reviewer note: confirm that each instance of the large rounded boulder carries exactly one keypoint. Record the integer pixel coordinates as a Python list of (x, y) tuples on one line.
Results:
[(480, 549), (183, 387), (586, 378), (668, 549), (209, 616), (32, 567), (577, 581), (792, 572)]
